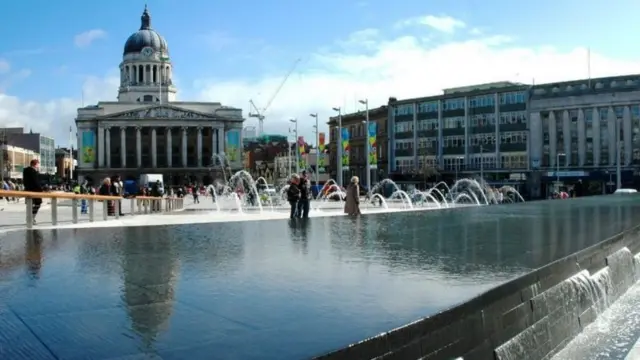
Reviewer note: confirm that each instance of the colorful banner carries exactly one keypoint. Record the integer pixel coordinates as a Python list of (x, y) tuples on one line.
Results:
[(232, 146), (373, 145), (321, 155), (88, 147), (345, 149), (301, 151)]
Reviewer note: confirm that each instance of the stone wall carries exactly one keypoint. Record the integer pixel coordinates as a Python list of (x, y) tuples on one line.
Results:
[(531, 317)]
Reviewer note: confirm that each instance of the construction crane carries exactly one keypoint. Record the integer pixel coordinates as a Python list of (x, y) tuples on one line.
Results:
[(260, 114)]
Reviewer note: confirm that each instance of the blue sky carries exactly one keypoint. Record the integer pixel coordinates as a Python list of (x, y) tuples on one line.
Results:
[(236, 51)]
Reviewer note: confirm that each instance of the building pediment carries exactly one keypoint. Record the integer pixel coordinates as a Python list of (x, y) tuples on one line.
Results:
[(158, 112)]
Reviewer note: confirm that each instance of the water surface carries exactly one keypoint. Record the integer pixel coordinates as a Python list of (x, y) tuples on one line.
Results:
[(272, 289)]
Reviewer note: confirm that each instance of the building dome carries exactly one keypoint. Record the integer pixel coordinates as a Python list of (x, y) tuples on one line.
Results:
[(145, 37)]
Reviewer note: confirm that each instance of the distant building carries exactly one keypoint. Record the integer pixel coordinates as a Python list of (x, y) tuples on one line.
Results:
[(66, 163), (36, 143), (464, 131), (148, 131), (355, 123), (15, 159), (577, 127)]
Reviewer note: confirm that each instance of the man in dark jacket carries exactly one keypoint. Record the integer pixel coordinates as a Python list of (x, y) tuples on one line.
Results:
[(305, 194), (31, 181), (293, 196)]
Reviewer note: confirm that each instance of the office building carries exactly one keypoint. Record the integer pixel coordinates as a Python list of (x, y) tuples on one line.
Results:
[(14, 160), (354, 123), (465, 131), (577, 128), (37, 143)]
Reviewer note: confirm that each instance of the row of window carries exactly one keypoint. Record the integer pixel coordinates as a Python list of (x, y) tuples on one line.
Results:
[(508, 161), (458, 122), (517, 97)]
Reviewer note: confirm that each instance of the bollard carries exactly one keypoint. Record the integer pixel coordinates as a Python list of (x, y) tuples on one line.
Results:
[(105, 209), (74, 211), (92, 210), (54, 211), (29, 205)]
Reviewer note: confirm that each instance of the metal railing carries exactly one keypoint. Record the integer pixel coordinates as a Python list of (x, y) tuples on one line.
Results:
[(139, 205)]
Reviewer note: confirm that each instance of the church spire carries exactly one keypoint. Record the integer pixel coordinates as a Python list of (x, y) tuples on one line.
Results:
[(145, 19)]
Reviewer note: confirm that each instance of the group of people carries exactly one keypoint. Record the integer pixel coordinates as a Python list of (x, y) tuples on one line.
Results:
[(299, 195)]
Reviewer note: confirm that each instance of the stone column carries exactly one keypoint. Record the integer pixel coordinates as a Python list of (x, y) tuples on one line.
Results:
[(100, 131), (566, 130), (123, 146), (184, 146), (612, 123), (220, 140), (199, 146), (214, 143), (627, 135), (168, 143), (582, 153), (107, 146), (553, 140), (595, 129), (138, 147), (154, 155)]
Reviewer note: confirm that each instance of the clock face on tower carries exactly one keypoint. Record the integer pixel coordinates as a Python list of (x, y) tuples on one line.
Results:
[(147, 51)]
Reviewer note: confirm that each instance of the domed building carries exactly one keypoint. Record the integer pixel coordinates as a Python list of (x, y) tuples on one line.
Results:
[(147, 130)]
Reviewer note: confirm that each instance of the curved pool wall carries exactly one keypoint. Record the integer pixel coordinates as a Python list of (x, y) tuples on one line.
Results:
[(531, 317)]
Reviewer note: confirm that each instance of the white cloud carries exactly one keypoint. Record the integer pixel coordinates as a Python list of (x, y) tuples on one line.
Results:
[(404, 66), (87, 38), (4, 66), (445, 24)]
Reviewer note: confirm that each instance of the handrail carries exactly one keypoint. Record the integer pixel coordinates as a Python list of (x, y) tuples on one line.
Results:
[(145, 204)]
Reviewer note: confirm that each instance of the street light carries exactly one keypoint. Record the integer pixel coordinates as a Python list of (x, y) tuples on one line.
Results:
[(339, 145), (365, 102), (558, 169), (317, 146), (295, 137)]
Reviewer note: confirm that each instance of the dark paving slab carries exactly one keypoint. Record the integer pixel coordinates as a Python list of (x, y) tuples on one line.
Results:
[(272, 289)]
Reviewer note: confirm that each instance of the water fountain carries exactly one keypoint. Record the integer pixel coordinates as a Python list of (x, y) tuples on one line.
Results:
[(243, 176), (219, 160)]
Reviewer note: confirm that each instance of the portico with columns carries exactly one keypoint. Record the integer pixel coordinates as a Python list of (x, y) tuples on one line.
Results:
[(147, 131)]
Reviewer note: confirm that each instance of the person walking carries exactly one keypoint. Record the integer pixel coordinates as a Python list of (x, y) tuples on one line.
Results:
[(305, 193), (293, 195), (352, 201), (30, 178)]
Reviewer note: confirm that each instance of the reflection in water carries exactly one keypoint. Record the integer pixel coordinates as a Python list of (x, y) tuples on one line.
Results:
[(298, 232), (304, 286), (33, 253), (150, 271)]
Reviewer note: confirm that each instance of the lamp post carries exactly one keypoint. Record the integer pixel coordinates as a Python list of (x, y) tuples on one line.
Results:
[(317, 146), (365, 102), (339, 146), (289, 153), (295, 137)]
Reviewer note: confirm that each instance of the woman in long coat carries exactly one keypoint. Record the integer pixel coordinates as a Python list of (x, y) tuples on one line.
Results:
[(352, 201)]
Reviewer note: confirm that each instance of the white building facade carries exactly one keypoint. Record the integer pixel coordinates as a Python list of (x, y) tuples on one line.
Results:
[(578, 127), (148, 131)]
